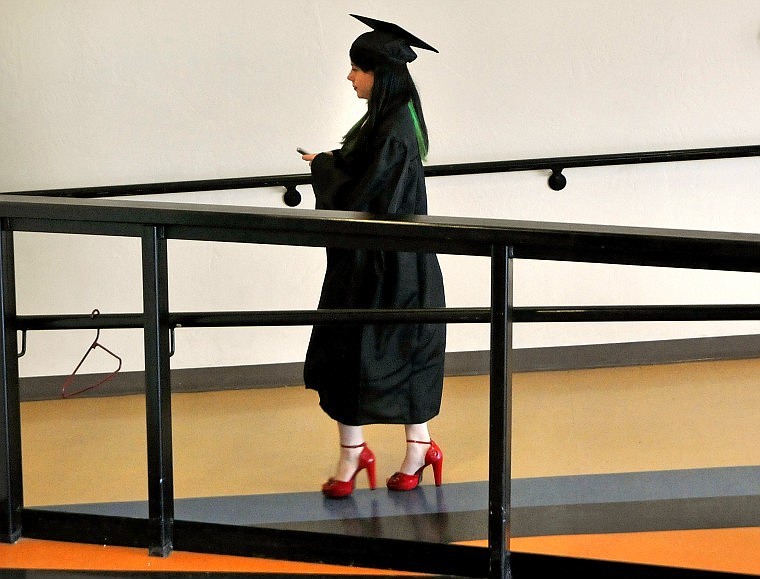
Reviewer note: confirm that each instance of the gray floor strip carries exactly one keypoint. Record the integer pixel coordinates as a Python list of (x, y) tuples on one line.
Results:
[(686, 497)]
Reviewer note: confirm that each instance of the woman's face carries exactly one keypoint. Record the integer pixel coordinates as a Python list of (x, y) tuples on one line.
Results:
[(363, 80)]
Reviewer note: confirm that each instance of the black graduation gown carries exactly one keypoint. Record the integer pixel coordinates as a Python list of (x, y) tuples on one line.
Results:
[(377, 373)]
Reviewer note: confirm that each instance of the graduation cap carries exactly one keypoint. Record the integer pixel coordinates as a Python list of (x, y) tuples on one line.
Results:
[(389, 40)]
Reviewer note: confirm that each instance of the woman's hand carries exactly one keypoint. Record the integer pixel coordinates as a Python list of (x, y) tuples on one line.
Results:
[(309, 157)]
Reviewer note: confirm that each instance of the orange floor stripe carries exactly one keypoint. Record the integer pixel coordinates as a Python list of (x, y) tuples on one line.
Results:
[(724, 550), (37, 554)]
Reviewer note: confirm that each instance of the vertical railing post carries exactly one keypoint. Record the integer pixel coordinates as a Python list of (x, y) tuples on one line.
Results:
[(500, 440), (11, 487), (158, 392)]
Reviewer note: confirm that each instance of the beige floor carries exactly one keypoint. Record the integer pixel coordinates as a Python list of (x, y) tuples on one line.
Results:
[(676, 416)]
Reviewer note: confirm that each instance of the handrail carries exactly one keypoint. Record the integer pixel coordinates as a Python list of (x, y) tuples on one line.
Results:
[(557, 180), (156, 223), (521, 314), (593, 243), (292, 197)]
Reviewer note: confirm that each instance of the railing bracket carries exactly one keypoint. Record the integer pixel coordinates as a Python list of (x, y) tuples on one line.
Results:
[(292, 197), (557, 180)]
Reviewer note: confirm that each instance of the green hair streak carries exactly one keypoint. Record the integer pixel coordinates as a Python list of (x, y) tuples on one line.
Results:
[(418, 131)]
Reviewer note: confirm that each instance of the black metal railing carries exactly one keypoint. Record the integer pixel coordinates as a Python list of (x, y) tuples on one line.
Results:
[(292, 196), (501, 240)]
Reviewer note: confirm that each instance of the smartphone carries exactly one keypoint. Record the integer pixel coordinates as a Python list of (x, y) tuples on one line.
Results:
[(302, 151)]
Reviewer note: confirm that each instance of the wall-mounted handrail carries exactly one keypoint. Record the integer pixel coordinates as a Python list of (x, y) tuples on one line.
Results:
[(556, 165), (288, 181), (292, 197)]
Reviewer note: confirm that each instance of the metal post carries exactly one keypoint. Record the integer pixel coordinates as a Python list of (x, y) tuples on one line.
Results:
[(500, 472), (158, 392), (11, 487)]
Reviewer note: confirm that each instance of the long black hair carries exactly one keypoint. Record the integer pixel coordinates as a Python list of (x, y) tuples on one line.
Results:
[(393, 87)]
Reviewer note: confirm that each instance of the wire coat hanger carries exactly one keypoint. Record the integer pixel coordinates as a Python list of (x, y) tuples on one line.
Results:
[(95, 344)]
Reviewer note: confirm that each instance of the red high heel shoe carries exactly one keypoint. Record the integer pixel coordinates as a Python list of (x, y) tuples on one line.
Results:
[(406, 482), (337, 489)]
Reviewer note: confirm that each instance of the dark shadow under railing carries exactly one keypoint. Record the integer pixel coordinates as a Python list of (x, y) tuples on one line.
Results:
[(292, 196), (501, 240)]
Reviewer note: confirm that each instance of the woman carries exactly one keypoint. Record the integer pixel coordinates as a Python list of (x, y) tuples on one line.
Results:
[(379, 373)]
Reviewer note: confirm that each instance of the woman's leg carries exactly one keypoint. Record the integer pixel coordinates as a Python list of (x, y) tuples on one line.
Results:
[(420, 452), (351, 438), (415, 452)]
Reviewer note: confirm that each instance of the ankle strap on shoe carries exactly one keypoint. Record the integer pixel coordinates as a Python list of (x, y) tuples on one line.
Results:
[(353, 445), (419, 441)]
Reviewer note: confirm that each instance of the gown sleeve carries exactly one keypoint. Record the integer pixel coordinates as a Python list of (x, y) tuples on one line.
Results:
[(342, 184)]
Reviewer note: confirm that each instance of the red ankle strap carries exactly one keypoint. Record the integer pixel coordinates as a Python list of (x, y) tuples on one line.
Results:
[(353, 445), (419, 441)]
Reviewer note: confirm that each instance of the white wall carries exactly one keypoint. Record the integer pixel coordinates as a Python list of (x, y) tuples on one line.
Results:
[(101, 92)]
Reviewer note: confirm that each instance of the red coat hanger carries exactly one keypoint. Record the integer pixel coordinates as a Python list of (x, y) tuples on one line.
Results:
[(95, 344)]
